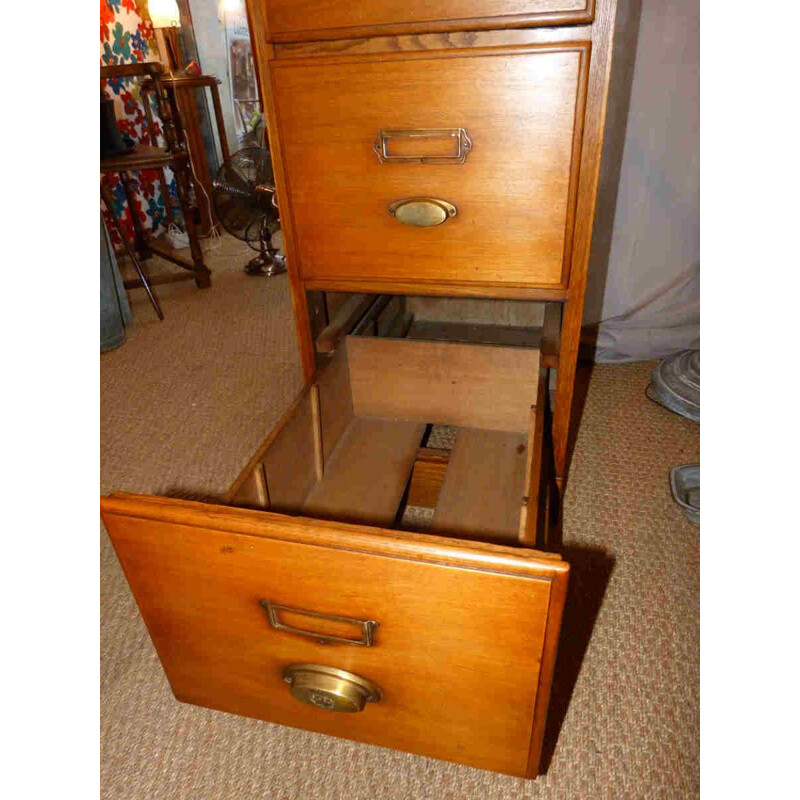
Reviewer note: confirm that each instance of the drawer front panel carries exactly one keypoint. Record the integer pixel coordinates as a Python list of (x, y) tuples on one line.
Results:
[(290, 20), (456, 654), (517, 114)]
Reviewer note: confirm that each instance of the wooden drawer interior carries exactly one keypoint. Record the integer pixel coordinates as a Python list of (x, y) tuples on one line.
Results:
[(328, 532), (411, 434)]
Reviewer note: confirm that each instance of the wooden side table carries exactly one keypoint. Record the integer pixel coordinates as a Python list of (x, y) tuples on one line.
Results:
[(173, 155), (181, 90)]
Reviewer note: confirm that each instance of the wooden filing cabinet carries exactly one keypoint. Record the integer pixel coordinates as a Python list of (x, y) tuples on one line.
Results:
[(447, 149)]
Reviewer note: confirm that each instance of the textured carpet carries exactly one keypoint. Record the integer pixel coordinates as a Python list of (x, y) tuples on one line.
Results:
[(184, 404)]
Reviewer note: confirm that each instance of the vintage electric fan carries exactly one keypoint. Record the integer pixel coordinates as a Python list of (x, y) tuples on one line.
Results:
[(246, 205)]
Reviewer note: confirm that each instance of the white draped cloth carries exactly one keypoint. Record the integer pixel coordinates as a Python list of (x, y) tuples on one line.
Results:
[(644, 274)]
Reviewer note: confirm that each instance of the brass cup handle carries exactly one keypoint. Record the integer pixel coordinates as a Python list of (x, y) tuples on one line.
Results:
[(329, 688), (422, 212)]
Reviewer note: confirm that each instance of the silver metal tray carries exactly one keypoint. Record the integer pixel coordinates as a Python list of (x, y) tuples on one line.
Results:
[(676, 384), (685, 484)]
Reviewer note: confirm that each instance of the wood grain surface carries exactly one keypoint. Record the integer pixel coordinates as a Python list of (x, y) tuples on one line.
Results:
[(455, 40), (290, 462), (343, 321), (252, 491), (367, 473), (447, 383), (459, 663), (591, 148), (263, 55), (481, 496), (467, 332), (433, 288), (514, 194), (336, 400), (290, 20), (534, 495), (427, 477)]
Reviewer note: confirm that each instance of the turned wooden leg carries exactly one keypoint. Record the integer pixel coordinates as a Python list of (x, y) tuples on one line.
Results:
[(165, 192), (202, 275), (223, 136), (140, 239)]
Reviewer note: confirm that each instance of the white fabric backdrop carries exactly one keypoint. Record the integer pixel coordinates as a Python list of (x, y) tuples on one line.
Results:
[(644, 274)]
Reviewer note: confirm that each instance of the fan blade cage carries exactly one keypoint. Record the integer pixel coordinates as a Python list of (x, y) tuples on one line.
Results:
[(243, 190)]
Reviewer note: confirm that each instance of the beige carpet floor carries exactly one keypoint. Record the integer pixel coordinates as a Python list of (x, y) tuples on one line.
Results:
[(185, 402)]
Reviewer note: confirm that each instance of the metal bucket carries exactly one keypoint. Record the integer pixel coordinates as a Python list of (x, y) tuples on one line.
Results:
[(676, 384)]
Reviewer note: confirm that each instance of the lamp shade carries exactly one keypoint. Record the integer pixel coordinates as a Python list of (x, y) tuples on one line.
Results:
[(164, 13)]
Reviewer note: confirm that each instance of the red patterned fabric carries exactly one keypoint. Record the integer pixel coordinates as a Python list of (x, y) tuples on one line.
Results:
[(127, 37)]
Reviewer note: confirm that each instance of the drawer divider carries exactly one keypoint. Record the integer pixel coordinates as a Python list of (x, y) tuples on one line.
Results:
[(367, 473)]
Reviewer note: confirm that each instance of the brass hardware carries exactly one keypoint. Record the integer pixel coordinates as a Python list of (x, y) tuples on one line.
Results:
[(367, 625), (422, 212), (463, 145), (330, 688)]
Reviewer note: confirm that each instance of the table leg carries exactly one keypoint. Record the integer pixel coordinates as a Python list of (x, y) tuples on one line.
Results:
[(106, 197), (139, 238), (202, 275), (165, 191), (223, 137)]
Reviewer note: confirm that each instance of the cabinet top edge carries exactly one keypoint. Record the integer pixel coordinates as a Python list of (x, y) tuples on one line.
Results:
[(508, 21)]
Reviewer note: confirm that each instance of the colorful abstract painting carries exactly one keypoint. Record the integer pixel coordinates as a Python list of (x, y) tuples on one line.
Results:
[(127, 37)]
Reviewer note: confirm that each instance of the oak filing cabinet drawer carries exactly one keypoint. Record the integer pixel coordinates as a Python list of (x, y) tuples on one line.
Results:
[(373, 132), (436, 643), (294, 20)]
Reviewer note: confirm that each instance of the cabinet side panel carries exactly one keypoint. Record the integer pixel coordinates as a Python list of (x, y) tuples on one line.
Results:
[(335, 399), (289, 462)]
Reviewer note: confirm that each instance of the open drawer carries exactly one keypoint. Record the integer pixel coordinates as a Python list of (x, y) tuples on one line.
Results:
[(310, 594)]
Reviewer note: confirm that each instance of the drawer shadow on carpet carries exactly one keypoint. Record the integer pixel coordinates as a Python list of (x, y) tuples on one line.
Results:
[(590, 571)]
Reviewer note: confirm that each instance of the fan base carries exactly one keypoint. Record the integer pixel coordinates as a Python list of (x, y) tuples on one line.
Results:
[(265, 265)]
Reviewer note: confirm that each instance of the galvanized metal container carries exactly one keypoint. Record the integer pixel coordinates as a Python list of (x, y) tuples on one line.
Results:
[(676, 384)]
